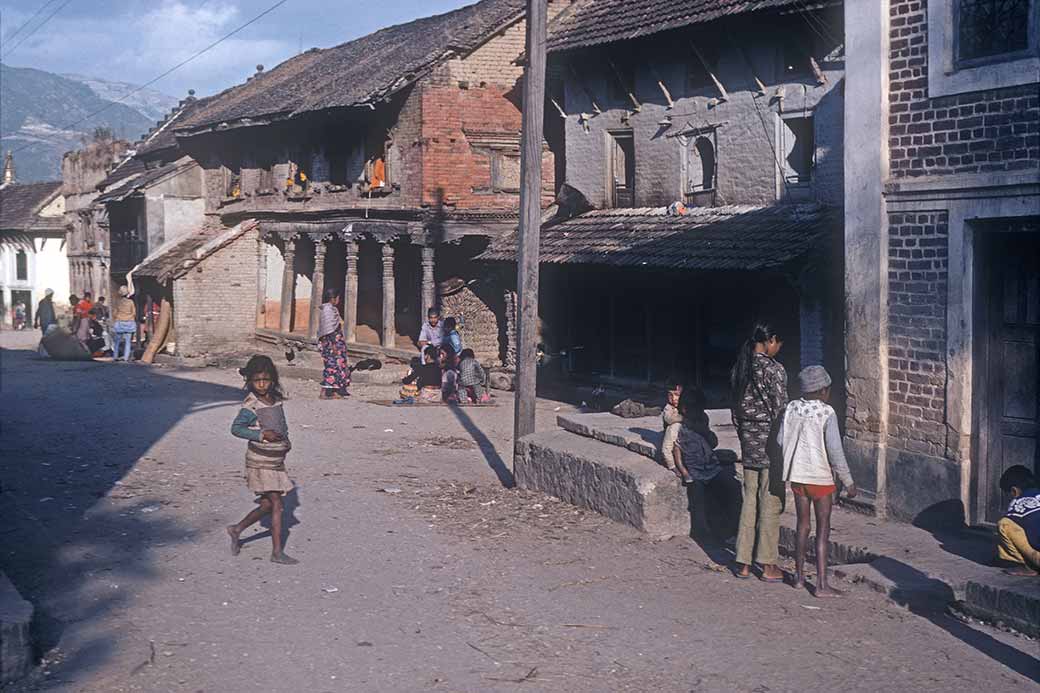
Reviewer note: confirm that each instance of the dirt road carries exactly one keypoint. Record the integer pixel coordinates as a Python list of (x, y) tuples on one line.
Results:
[(418, 572)]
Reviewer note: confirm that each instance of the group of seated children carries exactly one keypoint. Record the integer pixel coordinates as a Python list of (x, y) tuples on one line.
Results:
[(445, 376), (812, 456)]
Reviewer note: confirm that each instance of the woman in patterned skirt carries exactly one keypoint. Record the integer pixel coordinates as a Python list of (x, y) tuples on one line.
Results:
[(335, 378), (759, 392)]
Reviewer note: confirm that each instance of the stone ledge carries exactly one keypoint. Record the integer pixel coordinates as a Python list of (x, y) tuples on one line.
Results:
[(611, 481), (643, 435), (16, 616)]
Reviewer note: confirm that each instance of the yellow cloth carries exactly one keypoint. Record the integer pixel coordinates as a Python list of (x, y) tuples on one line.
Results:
[(1013, 547)]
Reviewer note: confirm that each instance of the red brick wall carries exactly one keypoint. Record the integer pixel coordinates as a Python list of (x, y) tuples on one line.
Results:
[(917, 275), (450, 162), (996, 130)]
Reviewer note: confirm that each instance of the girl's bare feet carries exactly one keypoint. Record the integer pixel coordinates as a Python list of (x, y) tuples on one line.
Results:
[(283, 558), (236, 545), (824, 591)]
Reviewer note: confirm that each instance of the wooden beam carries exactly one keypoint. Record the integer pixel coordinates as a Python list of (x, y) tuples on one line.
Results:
[(530, 221), (663, 88), (636, 106), (723, 95), (596, 110)]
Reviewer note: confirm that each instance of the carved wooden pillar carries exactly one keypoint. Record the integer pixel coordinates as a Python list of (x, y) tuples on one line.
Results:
[(261, 281), (288, 284), (317, 286), (389, 301), (428, 286), (350, 293)]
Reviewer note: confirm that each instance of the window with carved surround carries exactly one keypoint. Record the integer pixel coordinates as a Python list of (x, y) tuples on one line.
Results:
[(502, 150), (987, 29)]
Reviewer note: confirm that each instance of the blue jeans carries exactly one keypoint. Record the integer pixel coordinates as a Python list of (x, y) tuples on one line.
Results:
[(124, 339)]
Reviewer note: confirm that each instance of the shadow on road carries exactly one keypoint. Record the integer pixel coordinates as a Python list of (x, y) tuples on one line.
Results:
[(928, 598), (80, 530)]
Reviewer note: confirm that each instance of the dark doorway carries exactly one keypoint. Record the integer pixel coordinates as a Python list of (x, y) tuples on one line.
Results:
[(1008, 357)]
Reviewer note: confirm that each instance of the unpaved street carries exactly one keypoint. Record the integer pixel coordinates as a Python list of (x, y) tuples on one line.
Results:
[(418, 571)]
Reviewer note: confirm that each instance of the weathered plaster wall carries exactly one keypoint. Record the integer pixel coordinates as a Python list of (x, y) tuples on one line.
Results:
[(748, 145), (866, 247)]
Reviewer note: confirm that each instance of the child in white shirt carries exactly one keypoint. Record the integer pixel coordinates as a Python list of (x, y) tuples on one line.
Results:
[(813, 455)]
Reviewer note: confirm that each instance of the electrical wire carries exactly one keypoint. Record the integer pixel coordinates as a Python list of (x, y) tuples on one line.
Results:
[(37, 27), (30, 20), (170, 71)]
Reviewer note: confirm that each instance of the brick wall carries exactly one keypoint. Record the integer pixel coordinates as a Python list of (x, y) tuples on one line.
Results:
[(454, 164), (996, 130), (215, 303), (478, 313), (917, 275)]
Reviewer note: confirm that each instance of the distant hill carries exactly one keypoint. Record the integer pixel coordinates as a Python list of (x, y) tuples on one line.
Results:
[(38, 113), (152, 104)]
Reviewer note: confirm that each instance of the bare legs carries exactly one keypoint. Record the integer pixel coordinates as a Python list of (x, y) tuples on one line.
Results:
[(822, 507), (270, 503)]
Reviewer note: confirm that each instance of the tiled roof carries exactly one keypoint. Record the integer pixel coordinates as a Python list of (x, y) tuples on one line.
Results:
[(706, 238), (593, 22), (159, 138), (133, 184), (174, 259), (359, 72), (20, 204)]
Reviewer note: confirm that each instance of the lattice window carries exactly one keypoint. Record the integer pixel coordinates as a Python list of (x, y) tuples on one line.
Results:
[(987, 28)]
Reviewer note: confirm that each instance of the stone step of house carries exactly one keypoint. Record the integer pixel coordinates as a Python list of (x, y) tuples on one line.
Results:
[(608, 479), (603, 462)]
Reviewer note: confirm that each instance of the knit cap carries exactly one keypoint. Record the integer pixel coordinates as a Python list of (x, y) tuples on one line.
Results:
[(813, 379)]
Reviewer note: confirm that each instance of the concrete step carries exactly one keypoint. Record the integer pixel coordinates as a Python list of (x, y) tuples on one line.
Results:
[(16, 616), (643, 435), (613, 481)]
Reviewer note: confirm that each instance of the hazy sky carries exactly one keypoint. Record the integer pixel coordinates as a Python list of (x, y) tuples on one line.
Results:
[(136, 40)]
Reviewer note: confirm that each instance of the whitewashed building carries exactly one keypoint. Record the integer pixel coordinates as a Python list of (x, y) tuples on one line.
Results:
[(32, 247)]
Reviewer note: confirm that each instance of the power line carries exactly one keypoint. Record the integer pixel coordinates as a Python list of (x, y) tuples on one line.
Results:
[(173, 69), (30, 19), (37, 27)]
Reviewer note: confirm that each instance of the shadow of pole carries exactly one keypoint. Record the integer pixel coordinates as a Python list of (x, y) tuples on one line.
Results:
[(494, 460)]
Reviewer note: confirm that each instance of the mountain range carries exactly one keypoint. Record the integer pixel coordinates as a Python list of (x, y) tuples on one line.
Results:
[(44, 115)]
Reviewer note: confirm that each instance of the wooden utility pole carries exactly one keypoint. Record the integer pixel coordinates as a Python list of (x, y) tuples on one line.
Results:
[(530, 221)]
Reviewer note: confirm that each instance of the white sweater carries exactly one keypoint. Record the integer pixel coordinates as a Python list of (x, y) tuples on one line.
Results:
[(811, 443)]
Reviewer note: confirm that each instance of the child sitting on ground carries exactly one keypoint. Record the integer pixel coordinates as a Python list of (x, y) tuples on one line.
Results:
[(1018, 532), (671, 421), (472, 378), (711, 487), (409, 389), (449, 376), (811, 444), (427, 377)]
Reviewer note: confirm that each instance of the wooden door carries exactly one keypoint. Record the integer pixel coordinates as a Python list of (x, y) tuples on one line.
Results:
[(1010, 397), (623, 168)]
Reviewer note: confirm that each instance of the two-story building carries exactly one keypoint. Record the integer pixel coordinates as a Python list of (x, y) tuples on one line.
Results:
[(380, 166), (32, 245), (942, 223), (703, 159), (86, 223)]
